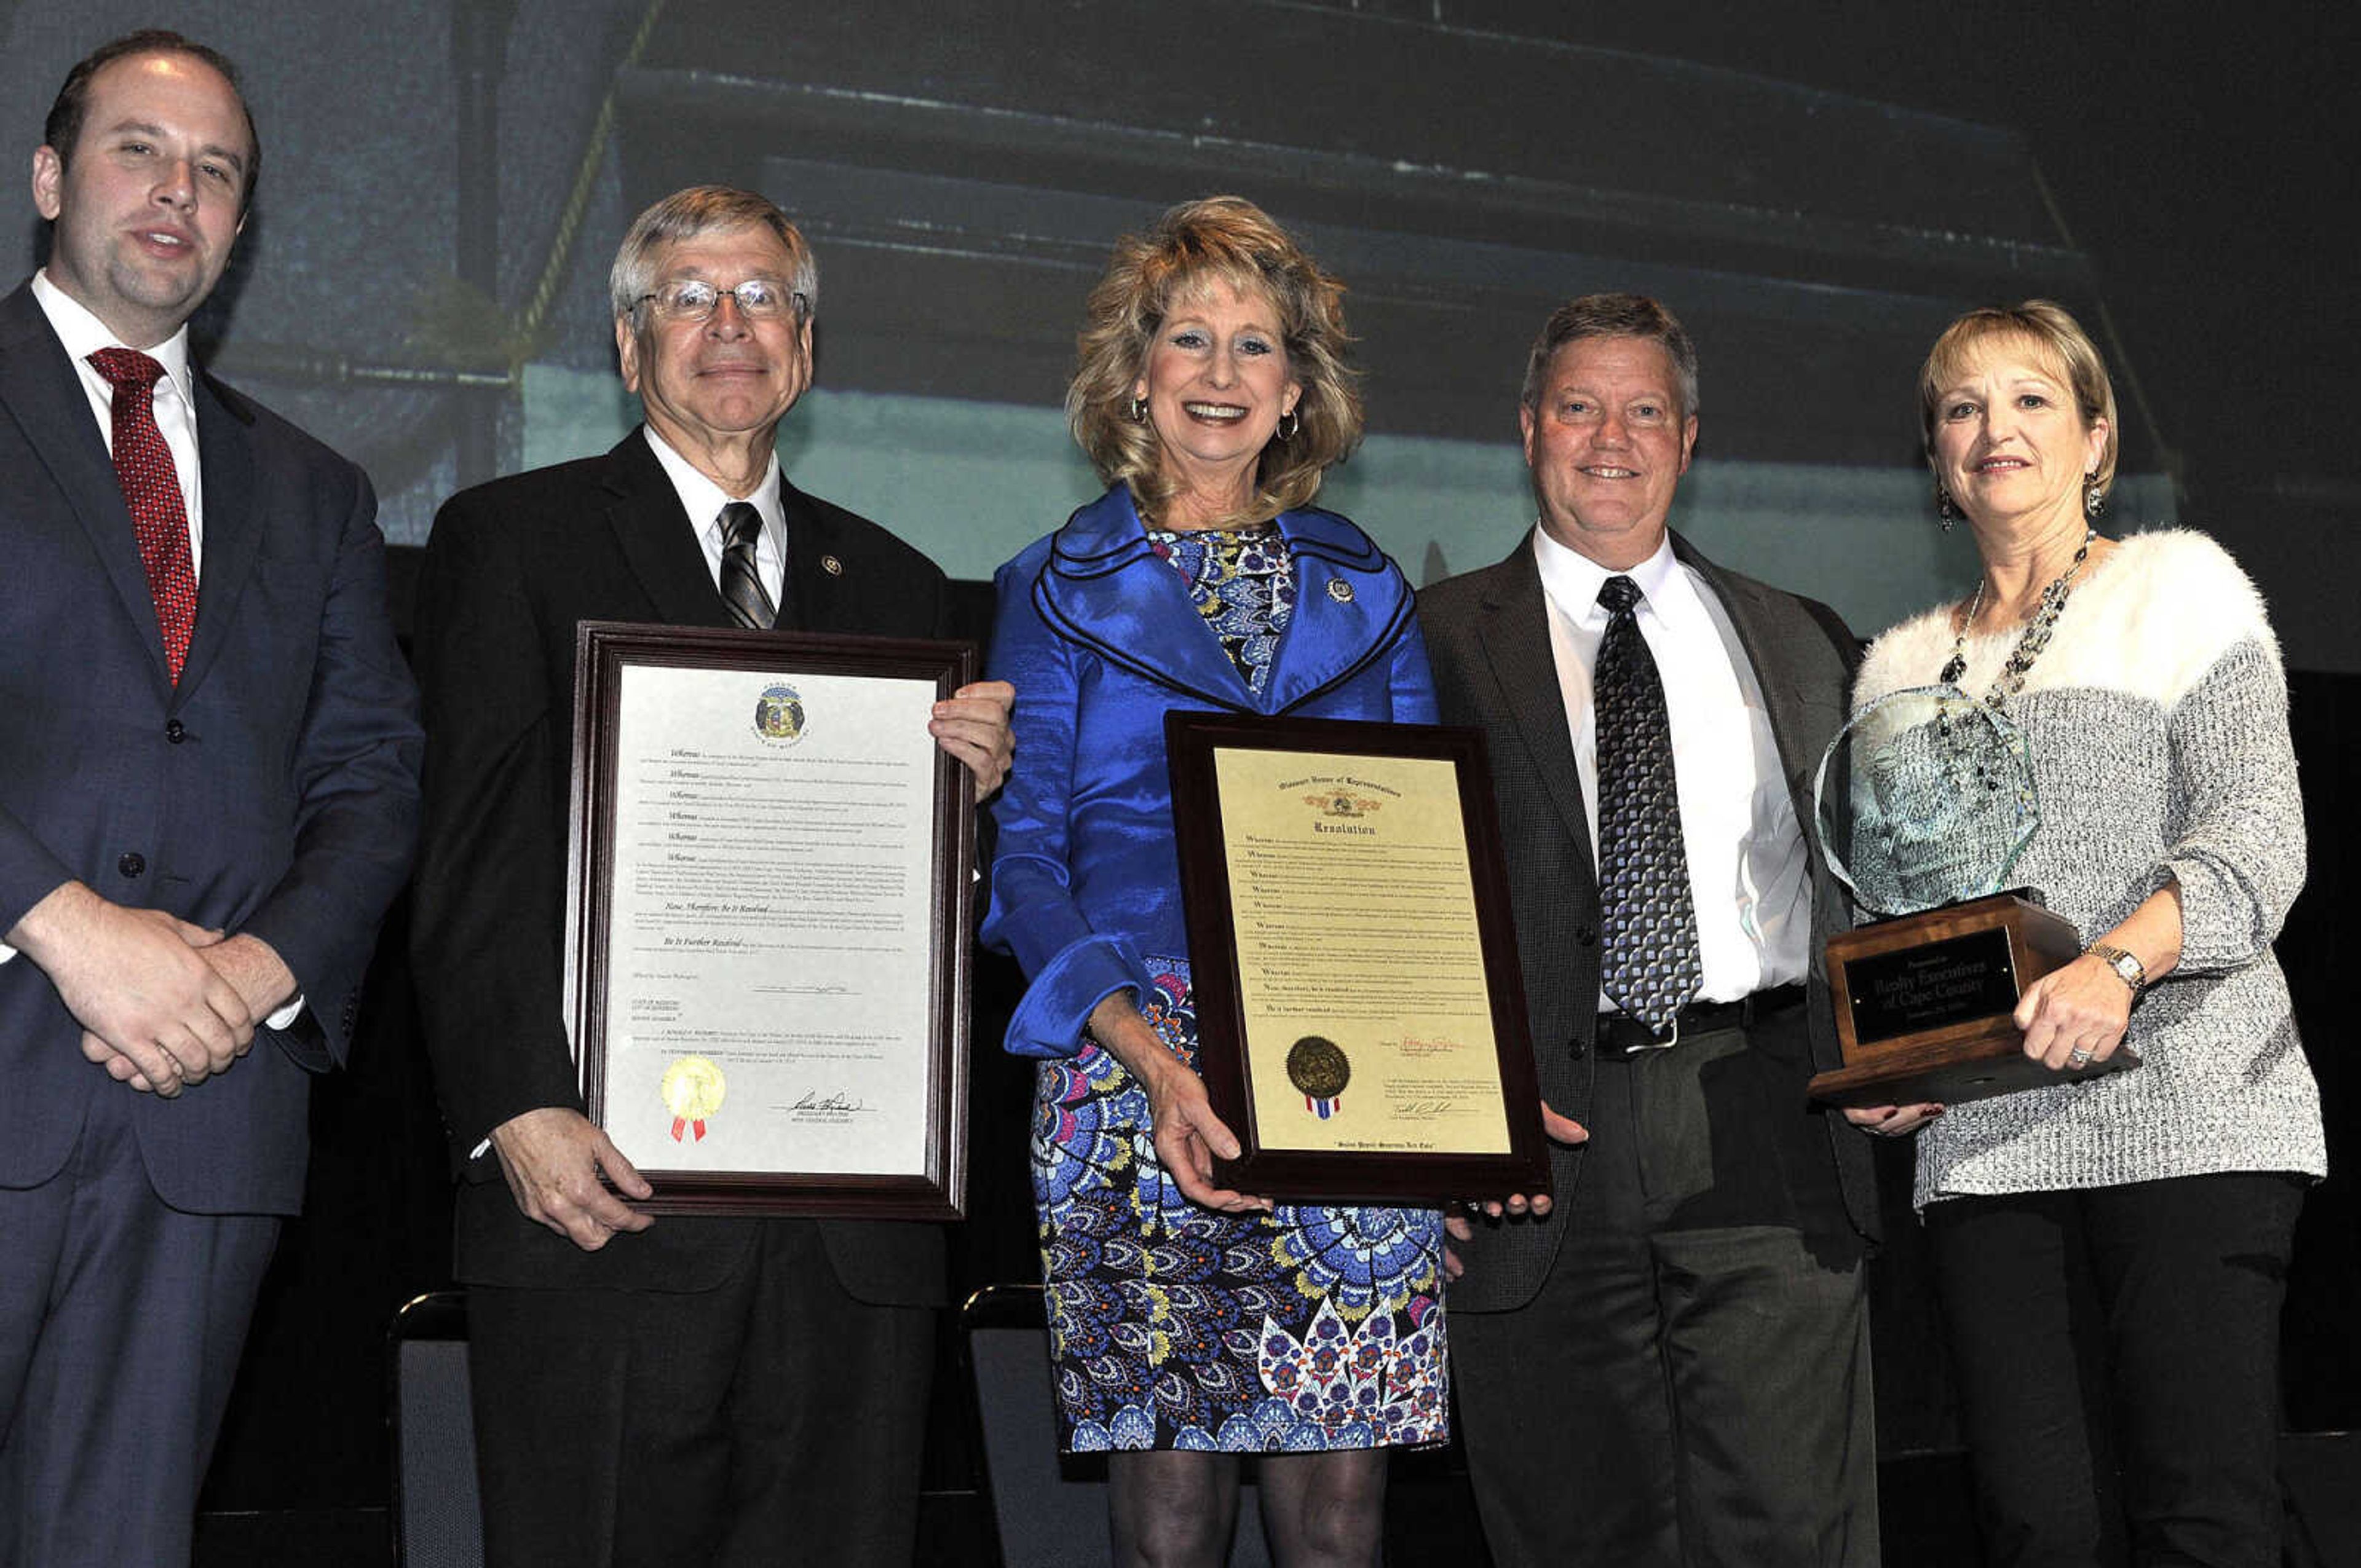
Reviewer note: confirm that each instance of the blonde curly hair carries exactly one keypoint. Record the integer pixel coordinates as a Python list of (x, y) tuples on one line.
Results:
[(1220, 239)]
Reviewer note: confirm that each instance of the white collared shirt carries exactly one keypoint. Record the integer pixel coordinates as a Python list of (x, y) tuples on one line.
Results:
[(703, 500), (84, 334), (1749, 867)]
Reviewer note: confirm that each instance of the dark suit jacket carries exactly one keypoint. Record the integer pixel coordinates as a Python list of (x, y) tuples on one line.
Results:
[(1487, 634), (274, 790), (511, 568)]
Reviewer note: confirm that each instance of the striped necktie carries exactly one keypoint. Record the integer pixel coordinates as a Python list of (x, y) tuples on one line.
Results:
[(741, 583)]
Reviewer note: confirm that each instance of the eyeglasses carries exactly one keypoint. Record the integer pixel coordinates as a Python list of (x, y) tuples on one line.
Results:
[(694, 300)]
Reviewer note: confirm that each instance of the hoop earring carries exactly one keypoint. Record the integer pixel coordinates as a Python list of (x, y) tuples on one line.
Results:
[(2095, 496), (1287, 425), (1137, 411), (1943, 507)]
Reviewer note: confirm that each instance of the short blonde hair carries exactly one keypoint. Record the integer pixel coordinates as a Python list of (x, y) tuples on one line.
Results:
[(1228, 240), (2055, 336)]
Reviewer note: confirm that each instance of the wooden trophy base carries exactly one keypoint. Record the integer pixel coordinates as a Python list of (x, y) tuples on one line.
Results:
[(1925, 1005)]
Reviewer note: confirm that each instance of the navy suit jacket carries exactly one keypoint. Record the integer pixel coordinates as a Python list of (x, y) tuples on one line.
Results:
[(512, 567), (1494, 668), (273, 791)]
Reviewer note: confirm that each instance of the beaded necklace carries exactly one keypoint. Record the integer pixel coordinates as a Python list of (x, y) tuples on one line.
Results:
[(2029, 644)]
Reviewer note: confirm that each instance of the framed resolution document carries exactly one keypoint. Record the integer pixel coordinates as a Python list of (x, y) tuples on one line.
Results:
[(767, 907), (1360, 1014)]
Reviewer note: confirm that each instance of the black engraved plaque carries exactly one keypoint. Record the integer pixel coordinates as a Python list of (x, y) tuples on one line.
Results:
[(1931, 986)]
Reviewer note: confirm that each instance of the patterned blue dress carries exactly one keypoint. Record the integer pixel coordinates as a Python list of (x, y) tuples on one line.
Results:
[(1173, 1326)]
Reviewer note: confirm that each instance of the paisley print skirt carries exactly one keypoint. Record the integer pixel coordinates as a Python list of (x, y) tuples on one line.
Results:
[(1172, 1326)]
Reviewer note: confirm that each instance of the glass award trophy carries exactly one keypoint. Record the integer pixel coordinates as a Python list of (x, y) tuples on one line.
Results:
[(1926, 799)]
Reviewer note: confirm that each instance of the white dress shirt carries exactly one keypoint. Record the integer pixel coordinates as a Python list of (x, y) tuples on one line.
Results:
[(1750, 875), (703, 500), (84, 334)]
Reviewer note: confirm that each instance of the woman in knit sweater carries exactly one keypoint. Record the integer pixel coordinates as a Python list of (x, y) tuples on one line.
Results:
[(2112, 1253)]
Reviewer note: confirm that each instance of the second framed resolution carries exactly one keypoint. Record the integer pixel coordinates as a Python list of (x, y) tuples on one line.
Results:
[(766, 918), (1360, 1014)]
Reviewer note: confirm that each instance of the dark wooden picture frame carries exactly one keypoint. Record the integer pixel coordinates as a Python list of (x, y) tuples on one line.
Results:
[(603, 650), (1227, 1059)]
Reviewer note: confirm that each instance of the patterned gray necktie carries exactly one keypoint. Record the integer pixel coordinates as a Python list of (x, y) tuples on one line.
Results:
[(741, 583), (1651, 967)]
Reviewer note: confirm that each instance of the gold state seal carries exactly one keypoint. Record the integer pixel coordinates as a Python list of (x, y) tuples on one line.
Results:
[(693, 1091)]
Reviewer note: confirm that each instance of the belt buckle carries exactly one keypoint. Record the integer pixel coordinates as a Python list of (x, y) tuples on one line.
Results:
[(1649, 1044)]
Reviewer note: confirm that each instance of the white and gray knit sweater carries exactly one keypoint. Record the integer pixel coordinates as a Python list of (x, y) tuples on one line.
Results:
[(2158, 720)]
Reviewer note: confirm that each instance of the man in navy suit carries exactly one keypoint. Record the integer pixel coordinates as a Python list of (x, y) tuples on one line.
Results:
[(690, 1389), (208, 763)]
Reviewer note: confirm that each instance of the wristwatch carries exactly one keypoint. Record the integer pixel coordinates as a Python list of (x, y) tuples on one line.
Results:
[(2128, 969)]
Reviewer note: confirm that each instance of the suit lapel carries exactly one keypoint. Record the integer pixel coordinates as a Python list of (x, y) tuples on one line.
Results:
[(231, 525), (1359, 601), (1106, 588), (1515, 634), (815, 599), (658, 539), (39, 390)]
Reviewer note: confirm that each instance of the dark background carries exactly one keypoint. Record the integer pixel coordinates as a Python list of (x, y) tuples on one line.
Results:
[(1817, 187)]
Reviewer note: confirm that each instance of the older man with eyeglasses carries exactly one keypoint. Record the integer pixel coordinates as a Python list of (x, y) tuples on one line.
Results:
[(693, 1389)]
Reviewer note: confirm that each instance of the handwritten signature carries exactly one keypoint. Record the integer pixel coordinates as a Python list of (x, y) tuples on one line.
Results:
[(834, 1101)]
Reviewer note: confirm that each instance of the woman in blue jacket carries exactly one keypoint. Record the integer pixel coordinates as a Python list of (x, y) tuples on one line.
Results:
[(1189, 1324)]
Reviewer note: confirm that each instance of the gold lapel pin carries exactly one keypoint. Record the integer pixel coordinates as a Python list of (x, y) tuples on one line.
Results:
[(831, 566)]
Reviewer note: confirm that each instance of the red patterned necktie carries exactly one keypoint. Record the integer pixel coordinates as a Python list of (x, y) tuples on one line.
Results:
[(151, 489)]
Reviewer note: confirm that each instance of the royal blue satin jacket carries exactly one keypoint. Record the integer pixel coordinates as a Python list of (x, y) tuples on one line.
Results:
[(1098, 635)]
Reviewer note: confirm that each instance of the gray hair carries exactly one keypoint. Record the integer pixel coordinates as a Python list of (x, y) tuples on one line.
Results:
[(691, 214), (1614, 315)]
